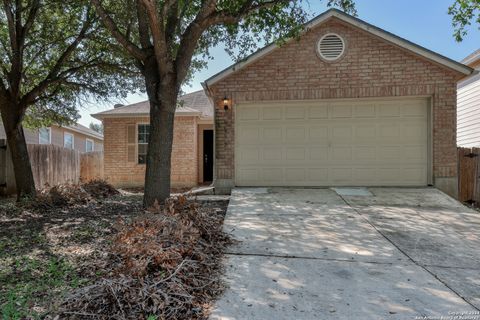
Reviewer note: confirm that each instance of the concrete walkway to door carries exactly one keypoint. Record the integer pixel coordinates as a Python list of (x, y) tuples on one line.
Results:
[(384, 253)]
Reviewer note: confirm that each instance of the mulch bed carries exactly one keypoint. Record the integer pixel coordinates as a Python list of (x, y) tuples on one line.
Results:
[(89, 252)]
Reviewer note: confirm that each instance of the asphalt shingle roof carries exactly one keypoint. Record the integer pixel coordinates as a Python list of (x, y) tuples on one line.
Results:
[(195, 102)]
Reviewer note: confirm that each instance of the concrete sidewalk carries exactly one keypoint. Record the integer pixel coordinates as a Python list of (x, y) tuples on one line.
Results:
[(313, 254)]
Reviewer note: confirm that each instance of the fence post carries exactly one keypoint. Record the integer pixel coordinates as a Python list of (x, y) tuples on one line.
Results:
[(467, 174)]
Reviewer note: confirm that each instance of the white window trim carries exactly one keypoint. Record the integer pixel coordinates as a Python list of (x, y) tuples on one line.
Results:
[(86, 143), (73, 140), (49, 135), (136, 140)]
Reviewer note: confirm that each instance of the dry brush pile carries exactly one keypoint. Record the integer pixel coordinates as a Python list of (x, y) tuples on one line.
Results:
[(72, 194), (164, 264)]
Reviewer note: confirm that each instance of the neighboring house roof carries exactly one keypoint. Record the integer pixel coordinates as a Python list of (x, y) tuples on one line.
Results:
[(472, 58), (85, 130), (334, 13), (195, 103)]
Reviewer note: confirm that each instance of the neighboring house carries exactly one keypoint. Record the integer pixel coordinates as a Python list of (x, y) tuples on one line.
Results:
[(347, 104), (468, 105), (76, 137), (126, 130)]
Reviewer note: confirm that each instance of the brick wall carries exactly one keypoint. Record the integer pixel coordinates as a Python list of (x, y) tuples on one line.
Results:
[(370, 67), (120, 172)]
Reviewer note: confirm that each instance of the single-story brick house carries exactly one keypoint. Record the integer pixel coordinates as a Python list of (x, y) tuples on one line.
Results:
[(347, 104), (468, 105), (76, 136), (126, 130)]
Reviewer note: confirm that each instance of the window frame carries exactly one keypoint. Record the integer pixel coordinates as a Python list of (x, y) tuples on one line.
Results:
[(86, 144), (49, 135), (137, 126), (73, 140)]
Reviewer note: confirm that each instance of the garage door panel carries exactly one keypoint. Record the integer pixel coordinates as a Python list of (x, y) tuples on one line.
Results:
[(272, 154), (272, 135), (250, 155), (295, 134), (341, 154), (295, 175), (273, 113), (376, 143), (414, 153), (363, 153), (272, 174), (340, 176), (341, 134), (318, 134), (341, 111), (389, 110), (248, 136), (365, 134), (295, 113), (317, 174), (250, 113), (318, 112), (364, 176), (319, 154), (412, 110), (365, 111)]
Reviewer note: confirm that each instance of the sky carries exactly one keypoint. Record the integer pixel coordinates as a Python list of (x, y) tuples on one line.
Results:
[(424, 22)]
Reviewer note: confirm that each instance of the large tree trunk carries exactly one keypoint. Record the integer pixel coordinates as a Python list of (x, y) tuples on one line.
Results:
[(163, 101), (18, 149)]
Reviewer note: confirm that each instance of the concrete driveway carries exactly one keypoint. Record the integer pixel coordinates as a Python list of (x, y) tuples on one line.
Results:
[(377, 253)]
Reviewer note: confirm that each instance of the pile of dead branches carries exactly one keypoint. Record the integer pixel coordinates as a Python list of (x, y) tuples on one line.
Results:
[(73, 194), (99, 189), (164, 264)]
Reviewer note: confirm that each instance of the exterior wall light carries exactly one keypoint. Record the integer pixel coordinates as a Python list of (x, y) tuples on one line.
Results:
[(225, 103)]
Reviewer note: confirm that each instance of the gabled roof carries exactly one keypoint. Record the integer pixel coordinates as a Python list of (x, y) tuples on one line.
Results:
[(335, 13), (195, 103), (472, 58), (85, 130)]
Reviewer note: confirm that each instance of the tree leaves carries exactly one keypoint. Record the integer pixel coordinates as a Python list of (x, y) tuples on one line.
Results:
[(463, 12), (66, 59)]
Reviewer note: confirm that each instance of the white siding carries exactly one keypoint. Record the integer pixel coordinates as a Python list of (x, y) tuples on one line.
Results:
[(468, 113)]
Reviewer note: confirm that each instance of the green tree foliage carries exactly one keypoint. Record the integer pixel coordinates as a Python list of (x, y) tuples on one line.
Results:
[(54, 56), (463, 12), (98, 127)]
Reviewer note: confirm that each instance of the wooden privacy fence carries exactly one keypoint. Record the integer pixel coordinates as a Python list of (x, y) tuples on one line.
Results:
[(91, 166), (468, 175), (51, 165)]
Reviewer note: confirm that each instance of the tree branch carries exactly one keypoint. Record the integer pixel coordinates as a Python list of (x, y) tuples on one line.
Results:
[(143, 30), (207, 17), (159, 42), (53, 74), (135, 51), (32, 14)]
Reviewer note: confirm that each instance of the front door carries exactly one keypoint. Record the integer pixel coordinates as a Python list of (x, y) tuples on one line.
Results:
[(207, 155)]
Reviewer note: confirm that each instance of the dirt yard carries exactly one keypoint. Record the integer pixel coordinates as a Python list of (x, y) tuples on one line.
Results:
[(53, 252)]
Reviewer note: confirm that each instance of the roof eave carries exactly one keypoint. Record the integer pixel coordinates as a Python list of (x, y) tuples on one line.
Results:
[(96, 136), (100, 116), (403, 43)]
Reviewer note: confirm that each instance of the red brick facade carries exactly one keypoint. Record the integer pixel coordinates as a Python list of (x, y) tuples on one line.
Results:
[(370, 67), (123, 173)]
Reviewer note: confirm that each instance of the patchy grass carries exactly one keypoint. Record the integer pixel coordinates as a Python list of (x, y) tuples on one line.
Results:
[(45, 253), (48, 252)]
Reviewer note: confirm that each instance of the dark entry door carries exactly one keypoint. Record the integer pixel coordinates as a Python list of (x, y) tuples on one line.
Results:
[(207, 155)]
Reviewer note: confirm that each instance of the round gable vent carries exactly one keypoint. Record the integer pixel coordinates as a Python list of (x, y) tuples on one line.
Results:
[(331, 47)]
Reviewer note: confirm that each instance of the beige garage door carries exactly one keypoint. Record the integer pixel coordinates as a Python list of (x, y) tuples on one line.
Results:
[(339, 143)]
